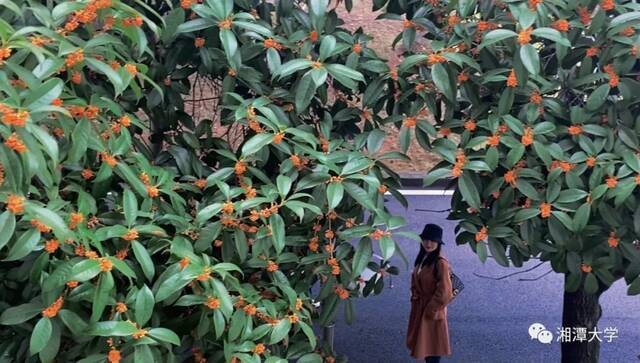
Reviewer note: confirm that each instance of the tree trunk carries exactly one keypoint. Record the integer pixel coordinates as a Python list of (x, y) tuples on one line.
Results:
[(581, 310)]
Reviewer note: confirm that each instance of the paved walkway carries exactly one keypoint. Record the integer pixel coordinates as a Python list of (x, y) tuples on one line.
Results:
[(489, 321)]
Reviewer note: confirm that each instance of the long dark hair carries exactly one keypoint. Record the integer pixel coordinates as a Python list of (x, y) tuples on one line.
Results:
[(432, 257)]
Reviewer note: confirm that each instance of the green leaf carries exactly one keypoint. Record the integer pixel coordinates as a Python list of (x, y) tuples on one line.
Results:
[(112, 328), (229, 42), (19, 314), (85, 270), (551, 34), (634, 287), (144, 305), (624, 18), (359, 194), (112, 75), (143, 259), (101, 295), (44, 94), (495, 36), (7, 226), (598, 97), (257, 142), (293, 66), (257, 28), (524, 214), (40, 336), (335, 192), (51, 219), (280, 331), (469, 191), (362, 256), (164, 335), (305, 91), (498, 252), (130, 204), (49, 144), (590, 284), (387, 247), (207, 212), (277, 232), (73, 321), (581, 217), (339, 70), (441, 80), (327, 46), (80, 141), (530, 58), (195, 25), (24, 245), (171, 285), (527, 189), (142, 354)]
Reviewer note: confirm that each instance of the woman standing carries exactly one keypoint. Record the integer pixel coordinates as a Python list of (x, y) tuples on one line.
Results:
[(431, 291)]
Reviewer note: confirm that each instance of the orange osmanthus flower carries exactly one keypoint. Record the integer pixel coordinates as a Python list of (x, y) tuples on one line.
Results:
[(225, 24), (51, 246), (470, 125), (613, 240), (592, 51), (40, 226), (493, 140), (575, 130), (74, 58), (524, 36), (15, 118), (259, 349), (535, 98), (586, 268), (14, 143), (607, 5), (614, 79), (545, 210), (611, 181), (121, 307), (212, 303), (105, 264), (410, 122), (184, 262), (272, 266), (131, 235), (250, 310), (342, 293), (52, 310), (561, 25), (131, 68), (511, 177), (527, 137), (272, 43), (512, 80), (591, 161), (15, 204), (76, 77), (114, 356), (356, 48), (533, 4), (152, 191), (482, 234)]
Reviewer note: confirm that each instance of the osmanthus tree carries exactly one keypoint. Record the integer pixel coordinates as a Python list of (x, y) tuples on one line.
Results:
[(542, 97), (194, 251)]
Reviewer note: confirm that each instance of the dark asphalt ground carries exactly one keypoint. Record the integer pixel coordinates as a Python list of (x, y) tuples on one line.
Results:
[(489, 321)]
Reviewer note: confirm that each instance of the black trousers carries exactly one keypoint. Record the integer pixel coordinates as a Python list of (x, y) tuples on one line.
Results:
[(432, 359)]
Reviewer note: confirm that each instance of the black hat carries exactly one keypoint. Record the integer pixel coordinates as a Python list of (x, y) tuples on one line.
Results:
[(432, 232)]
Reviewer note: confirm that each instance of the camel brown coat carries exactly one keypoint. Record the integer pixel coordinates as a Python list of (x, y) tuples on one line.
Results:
[(428, 332)]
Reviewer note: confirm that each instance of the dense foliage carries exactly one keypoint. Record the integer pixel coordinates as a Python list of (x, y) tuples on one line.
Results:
[(535, 109), (130, 231)]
